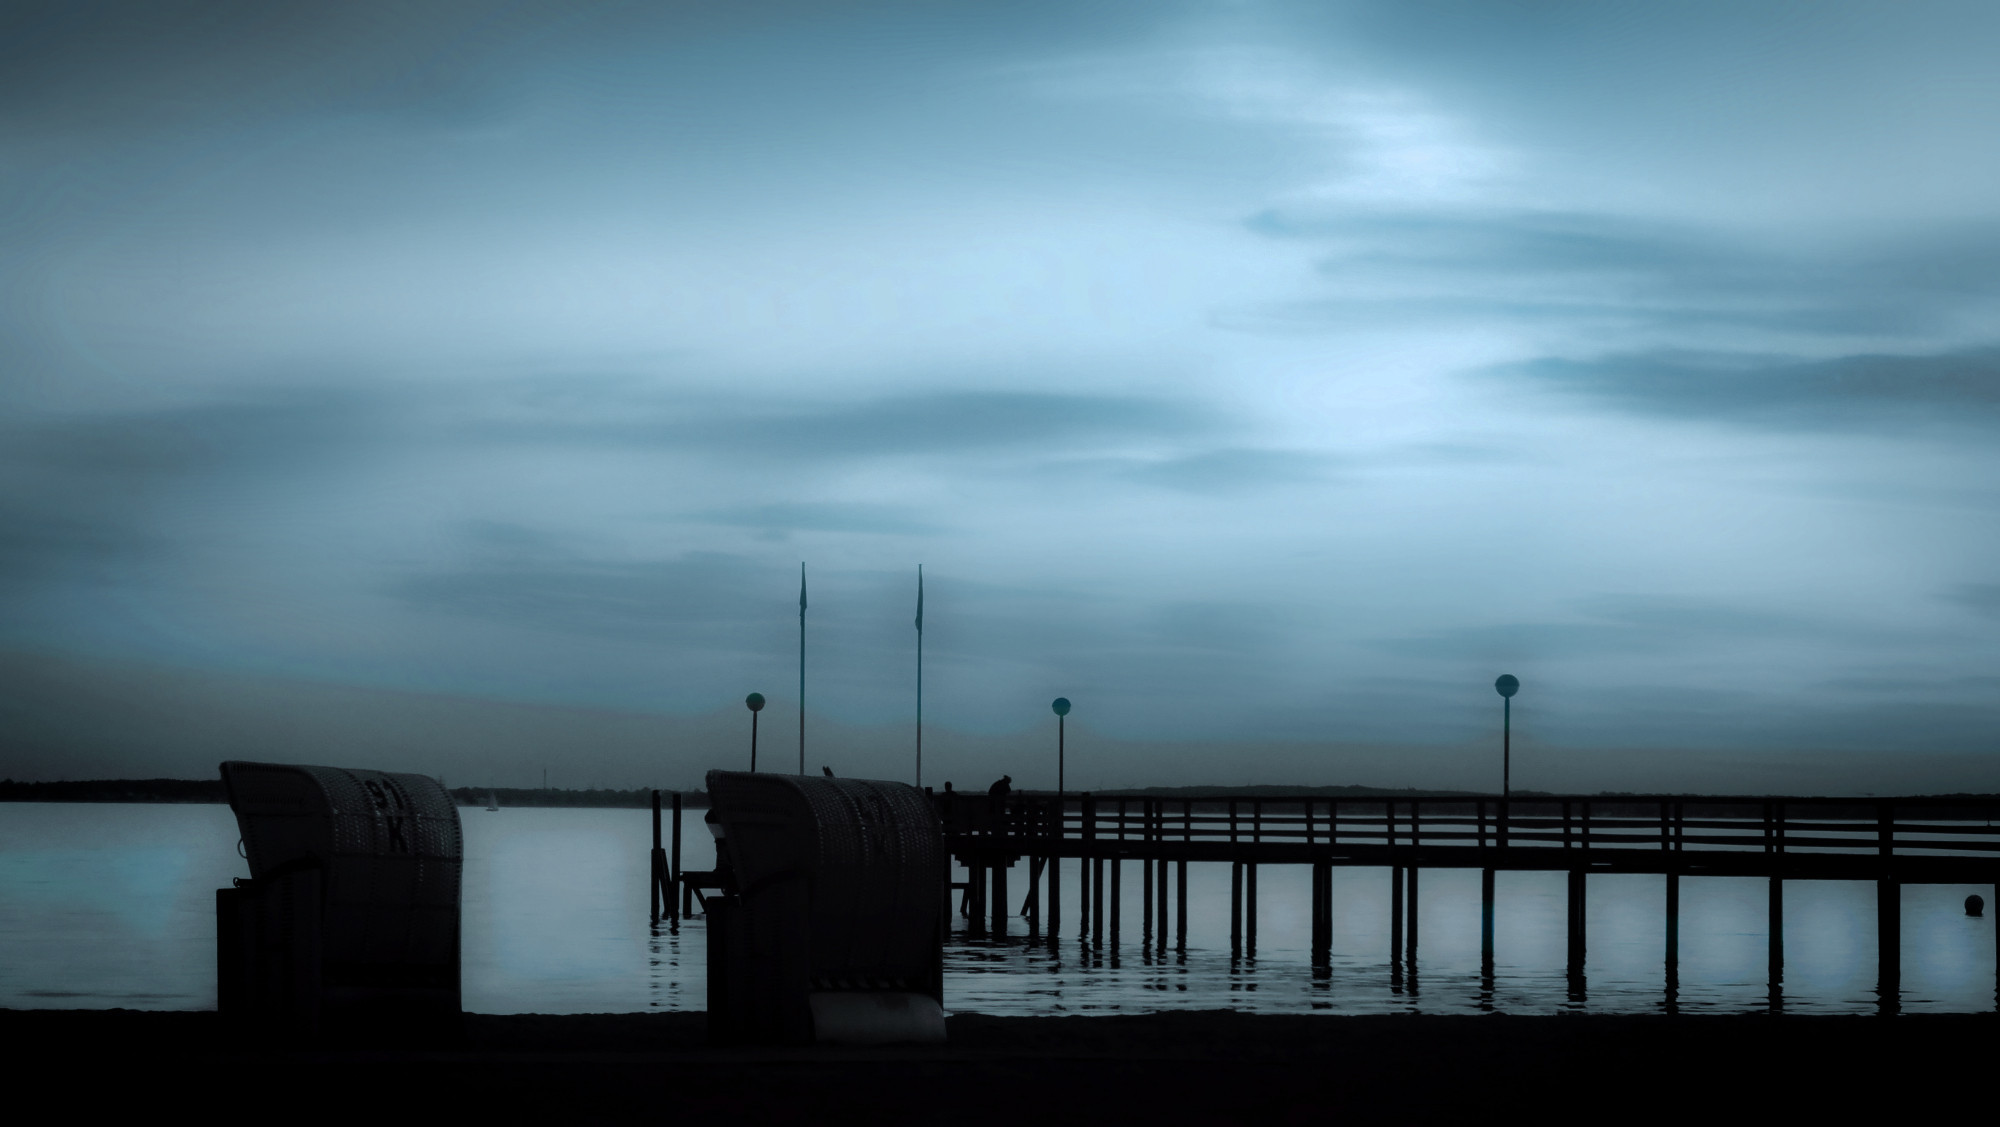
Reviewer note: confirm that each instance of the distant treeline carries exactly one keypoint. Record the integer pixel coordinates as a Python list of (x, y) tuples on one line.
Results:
[(115, 790), (550, 796), (211, 790), (1274, 792)]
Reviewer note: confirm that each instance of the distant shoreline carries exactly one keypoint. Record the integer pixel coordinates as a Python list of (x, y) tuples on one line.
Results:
[(211, 791)]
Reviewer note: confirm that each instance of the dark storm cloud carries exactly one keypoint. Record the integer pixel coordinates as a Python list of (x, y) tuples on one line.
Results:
[(939, 422), (39, 542), (1233, 470), (134, 66), (891, 520), (80, 492), (1851, 392), (698, 599), (1609, 625), (1981, 597), (1592, 268), (257, 432)]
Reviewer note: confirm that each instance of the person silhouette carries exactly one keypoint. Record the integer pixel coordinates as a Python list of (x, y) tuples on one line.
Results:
[(996, 802)]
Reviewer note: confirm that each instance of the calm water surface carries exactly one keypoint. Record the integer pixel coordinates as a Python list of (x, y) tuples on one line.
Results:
[(107, 905)]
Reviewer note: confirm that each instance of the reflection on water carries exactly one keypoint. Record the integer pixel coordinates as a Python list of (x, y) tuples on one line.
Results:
[(113, 905)]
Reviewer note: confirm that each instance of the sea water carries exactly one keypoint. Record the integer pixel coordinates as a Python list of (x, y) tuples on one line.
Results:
[(106, 905)]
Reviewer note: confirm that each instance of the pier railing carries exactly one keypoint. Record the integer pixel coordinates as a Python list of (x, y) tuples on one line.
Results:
[(1452, 830)]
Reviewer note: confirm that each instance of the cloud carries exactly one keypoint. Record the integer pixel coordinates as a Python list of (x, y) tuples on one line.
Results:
[(1981, 597), (42, 543), (887, 426), (779, 518), (1631, 624), (1606, 269), (1850, 392), (139, 67), (697, 600), (1232, 470)]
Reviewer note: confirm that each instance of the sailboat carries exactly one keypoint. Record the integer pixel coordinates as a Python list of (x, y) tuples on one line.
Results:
[(492, 801)]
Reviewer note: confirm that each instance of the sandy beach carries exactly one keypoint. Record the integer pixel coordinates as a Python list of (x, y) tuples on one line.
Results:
[(1214, 1067)]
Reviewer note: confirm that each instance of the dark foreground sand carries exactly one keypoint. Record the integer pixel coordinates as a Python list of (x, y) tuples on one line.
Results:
[(1214, 1067)]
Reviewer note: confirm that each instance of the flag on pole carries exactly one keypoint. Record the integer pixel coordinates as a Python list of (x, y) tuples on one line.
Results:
[(920, 598), (802, 590)]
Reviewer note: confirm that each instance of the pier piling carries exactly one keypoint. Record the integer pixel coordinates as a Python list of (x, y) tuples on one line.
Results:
[(1235, 907)]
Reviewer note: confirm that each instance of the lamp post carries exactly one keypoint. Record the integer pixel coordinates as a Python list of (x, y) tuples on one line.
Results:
[(755, 703), (1507, 686), (1061, 707)]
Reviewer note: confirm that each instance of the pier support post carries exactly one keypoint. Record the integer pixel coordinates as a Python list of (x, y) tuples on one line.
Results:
[(1777, 943), (999, 904), (1396, 921), (1031, 907), (1889, 942), (1083, 897), (975, 899), (1578, 914), (657, 859), (1160, 928), (1673, 938), (1117, 875), (1055, 899), (681, 905), (1486, 920), (1235, 907), (1410, 928), (1250, 908), (1097, 902), (1322, 913), (1146, 902), (1180, 908)]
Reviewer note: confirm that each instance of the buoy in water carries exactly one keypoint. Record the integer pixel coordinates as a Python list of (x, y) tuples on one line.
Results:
[(1975, 905)]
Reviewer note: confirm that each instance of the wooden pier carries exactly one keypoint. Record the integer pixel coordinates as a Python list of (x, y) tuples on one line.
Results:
[(1891, 842)]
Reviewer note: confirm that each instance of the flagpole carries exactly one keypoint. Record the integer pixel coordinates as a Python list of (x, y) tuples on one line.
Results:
[(920, 676), (802, 668)]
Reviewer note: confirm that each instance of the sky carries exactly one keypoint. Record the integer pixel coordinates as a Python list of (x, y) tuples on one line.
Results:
[(1264, 378)]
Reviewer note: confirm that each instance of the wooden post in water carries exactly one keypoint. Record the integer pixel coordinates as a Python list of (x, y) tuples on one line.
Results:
[(975, 893), (656, 858), (1146, 879), (1396, 920), (1673, 931), (1117, 873), (1777, 943), (677, 906), (1322, 938), (1888, 916), (1097, 926), (1180, 883), (1235, 907), (1031, 907), (1889, 942), (1087, 922), (1410, 929), (1160, 927), (1055, 898), (1577, 912), (1180, 908), (1250, 907), (999, 905), (1486, 920)]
